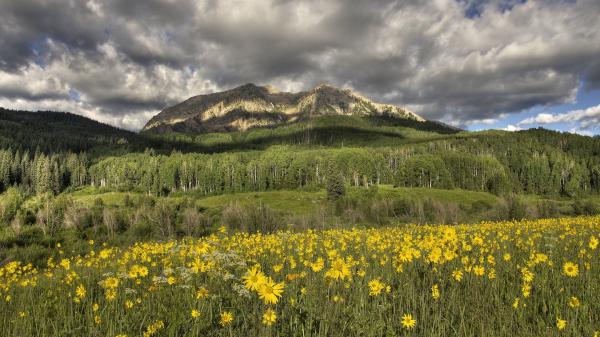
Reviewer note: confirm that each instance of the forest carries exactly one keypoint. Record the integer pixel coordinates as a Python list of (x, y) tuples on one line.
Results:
[(523, 163)]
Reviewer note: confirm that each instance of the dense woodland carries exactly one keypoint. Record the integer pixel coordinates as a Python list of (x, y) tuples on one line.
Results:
[(445, 165), (531, 162), (52, 132)]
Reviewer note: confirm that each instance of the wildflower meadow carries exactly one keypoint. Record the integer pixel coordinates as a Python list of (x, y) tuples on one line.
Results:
[(517, 278)]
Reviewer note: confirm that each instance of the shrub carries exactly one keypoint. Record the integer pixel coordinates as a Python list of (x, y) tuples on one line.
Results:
[(516, 208), (252, 218), (11, 202), (587, 207)]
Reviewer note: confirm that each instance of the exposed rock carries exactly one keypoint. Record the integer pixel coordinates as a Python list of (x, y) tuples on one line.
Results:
[(251, 106)]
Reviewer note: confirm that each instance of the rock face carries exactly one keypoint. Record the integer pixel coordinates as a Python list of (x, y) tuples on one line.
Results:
[(250, 106)]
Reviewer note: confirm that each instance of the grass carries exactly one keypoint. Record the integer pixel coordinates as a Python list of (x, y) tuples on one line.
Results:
[(461, 197), (518, 278), (296, 202), (89, 194), (306, 202), (108, 198)]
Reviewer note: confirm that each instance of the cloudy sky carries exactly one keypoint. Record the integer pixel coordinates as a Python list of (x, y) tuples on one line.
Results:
[(473, 63)]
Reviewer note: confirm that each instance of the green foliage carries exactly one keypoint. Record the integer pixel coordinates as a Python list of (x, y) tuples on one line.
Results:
[(424, 171), (516, 208), (587, 207), (456, 164), (329, 130), (335, 186), (10, 203)]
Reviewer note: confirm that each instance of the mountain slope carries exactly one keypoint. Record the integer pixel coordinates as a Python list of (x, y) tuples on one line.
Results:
[(250, 106), (51, 131)]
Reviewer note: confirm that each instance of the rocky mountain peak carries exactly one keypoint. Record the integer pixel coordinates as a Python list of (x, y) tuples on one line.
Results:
[(251, 105)]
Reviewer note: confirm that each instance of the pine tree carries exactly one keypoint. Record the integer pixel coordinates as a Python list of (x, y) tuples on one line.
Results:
[(335, 186)]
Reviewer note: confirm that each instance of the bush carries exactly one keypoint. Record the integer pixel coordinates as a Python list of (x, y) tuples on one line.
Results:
[(548, 209), (142, 231), (252, 218), (194, 223), (34, 253), (76, 216), (587, 207), (516, 208), (28, 236), (499, 184), (480, 206), (50, 216), (233, 216)]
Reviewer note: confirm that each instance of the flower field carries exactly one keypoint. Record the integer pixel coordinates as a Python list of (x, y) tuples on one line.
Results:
[(521, 278)]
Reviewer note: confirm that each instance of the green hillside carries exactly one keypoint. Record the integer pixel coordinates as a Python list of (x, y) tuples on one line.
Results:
[(330, 130), (49, 131)]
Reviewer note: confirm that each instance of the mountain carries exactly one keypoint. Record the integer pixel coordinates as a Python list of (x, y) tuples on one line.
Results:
[(249, 106)]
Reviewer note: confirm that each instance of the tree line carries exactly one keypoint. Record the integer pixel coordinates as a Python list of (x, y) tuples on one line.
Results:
[(533, 162), (445, 165), (37, 173)]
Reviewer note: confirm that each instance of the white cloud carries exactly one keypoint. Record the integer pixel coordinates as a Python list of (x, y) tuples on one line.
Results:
[(584, 118), (486, 121), (541, 118), (581, 132), (511, 128)]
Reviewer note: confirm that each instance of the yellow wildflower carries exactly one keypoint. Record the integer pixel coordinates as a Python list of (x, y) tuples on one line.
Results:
[(375, 287), (408, 322), (254, 278), (269, 317), (80, 291), (574, 302), (201, 293), (339, 270), (435, 292), (226, 318), (561, 324), (570, 269), (270, 291)]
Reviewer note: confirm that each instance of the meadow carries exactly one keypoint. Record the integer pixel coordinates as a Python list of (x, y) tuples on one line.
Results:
[(510, 278)]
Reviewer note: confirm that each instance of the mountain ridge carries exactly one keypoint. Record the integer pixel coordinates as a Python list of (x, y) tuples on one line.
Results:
[(249, 105)]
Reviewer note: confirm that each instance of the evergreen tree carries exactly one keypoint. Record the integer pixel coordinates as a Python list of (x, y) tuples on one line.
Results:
[(335, 186)]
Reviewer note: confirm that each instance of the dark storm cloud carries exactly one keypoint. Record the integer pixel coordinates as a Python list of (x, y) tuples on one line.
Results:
[(26, 23), (453, 60)]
